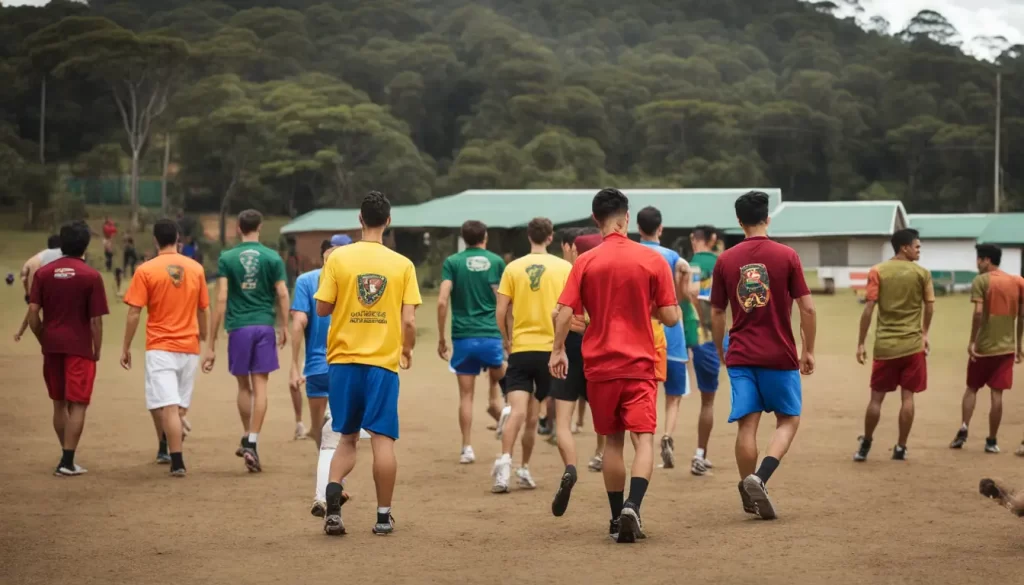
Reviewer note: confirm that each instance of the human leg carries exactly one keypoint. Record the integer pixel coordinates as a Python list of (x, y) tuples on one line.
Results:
[(906, 417), (467, 386), (995, 417), (79, 376)]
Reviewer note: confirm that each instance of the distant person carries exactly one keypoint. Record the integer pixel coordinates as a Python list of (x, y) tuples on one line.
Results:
[(997, 329), (697, 330), (759, 279), (371, 295), (905, 297), (172, 289), (130, 257), (188, 249), (73, 302), (109, 231), (28, 271), (469, 281), (250, 281)]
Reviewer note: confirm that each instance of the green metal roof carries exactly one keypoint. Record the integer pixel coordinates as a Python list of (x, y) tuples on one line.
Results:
[(326, 220), (805, 219), (950, 226), (1005, 228)]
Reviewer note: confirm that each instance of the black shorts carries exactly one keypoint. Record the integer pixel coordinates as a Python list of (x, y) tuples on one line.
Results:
[(528, 371), (574, 386)]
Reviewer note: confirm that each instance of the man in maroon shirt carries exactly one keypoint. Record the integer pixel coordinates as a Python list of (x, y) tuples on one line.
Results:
[(618, 352), (70, 331), (759, 279)]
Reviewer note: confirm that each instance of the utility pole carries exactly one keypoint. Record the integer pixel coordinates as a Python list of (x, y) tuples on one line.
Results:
[(997, 190)]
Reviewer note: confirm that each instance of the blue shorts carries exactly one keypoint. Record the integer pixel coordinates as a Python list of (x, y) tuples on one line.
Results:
[(316, 386), (364, 397), (706, 364), (764, 390), (678, 382), (472, 355)]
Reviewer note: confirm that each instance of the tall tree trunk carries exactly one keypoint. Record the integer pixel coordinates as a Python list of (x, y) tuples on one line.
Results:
[(133, 188), (164, 204), (42, 122)]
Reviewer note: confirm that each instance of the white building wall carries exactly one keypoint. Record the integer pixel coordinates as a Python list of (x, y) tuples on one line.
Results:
[(1011, 261), (949, 255), (866, 252), (807, 249), (862, 253)]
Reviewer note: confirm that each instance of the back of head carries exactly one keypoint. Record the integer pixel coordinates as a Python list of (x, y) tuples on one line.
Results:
[(990, 252), (249, 221), (903, 237), (375, 210), (74, 239), (648, 220), (609, 203), (474, 232), (567, 236), (324, 246), (53, 242), (752, 208), (704, 233), (539, 230), (165, 231)]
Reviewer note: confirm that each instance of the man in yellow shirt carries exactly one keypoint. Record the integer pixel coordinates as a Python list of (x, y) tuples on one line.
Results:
[(371, 295), (531, 285)]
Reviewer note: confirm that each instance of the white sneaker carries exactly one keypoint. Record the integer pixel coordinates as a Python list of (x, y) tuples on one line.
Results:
[(363, 434), (525, 479), (467, 455), (300, 431), (64, 471), (505, 412), (596, 463), (699, 466), (500, 472)]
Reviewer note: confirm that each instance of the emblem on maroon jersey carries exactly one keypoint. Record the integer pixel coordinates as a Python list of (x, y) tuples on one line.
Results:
[(371, 288), (64, 273), (753, 289), (176, 273)]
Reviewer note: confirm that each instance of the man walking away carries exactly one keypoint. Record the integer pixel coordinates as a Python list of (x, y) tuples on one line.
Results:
[(697, 327), (28, 271)]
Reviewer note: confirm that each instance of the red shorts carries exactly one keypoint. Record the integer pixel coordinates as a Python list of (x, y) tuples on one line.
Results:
[(994, 371), (909, 372), (623, 405), (69, 377)]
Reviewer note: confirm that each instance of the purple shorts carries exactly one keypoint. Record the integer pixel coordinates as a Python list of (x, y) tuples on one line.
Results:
[(252, 350)]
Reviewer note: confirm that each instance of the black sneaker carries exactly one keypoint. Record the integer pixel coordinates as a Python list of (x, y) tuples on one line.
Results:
[(561, 501), (385, 528), (630, 525), (162, 456), (544, 428), (252, 459), (960, 440), (862, 452), (748, 504), (613, 529), (991, 446), (333, 526), (758, 494), (241, 448), (899, 453)]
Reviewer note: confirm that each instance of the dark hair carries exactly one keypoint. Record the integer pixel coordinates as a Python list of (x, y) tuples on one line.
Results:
[(74, 239), (704, 233), (324, 246), (990, 252), (539, 230), (53, 242), (648, 220), (588, 231), (568, 235), (375, 209), (904, 237), (166, 232), (609, 203), (249, 221), (752, 208), (473, 232)]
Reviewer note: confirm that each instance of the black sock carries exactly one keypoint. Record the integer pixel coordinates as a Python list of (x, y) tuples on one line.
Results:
[(542, 421), (768, 467), (571, 470), (385, 517), (67, 459), (162, 449), (333, 496), (637, 490), (177, 461), (615, 501)]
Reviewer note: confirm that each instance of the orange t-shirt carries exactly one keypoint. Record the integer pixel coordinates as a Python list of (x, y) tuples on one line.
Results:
[(172, 287)]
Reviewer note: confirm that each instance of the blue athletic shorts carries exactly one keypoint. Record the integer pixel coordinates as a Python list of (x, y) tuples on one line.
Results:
[(678, 382), (472, 355), (364, 397), (706, 365), (764, 390), (316, 386)]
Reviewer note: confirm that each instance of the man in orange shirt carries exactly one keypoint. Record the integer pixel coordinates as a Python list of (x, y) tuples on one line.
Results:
[(173, 289)]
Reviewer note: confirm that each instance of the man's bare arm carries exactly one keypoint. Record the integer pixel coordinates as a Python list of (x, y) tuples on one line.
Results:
[(35, 322), (217, 315), (203, 317), (668, 316), (131, 325), (718, 329), (562, 321), (1020, 329), (282, 304), (442, 309), (323, 308), (501, 314), (299, 322), (96, 325), (408, 328), (865, 322), (808, 322), (979, 309)]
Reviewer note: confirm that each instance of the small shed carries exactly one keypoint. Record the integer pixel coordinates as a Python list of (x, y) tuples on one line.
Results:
[(1006, 230), (947, 245)]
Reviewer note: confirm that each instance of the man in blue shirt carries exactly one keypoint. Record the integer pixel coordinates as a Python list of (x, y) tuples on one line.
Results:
[(676, 380)]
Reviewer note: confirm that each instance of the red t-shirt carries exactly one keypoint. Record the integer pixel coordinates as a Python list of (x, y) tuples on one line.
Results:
[(759, 279), (109, 229), (618, 284), (71, 294)]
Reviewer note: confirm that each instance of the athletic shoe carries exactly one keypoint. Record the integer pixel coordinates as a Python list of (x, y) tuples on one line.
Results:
[(668, 456), (240, 451), (899, 453), (561, 501), (62, 471), (613, 529), (748, 504), (699, 465), (630, 525), (319, 509), (300, 431), (500, 472), (333, 526), (991, 446), (178, 472), (467, 455), (502, 419), (863, 450), (1020, 451), (960, 440), (576, 428), (597, 462), (385, 528), (252, 460), (363, 434), (758, 494), (525, 479), (163, 458), (553, 438), (545, 427)]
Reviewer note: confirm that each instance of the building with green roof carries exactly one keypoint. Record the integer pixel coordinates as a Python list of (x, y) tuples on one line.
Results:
[(948, 240)]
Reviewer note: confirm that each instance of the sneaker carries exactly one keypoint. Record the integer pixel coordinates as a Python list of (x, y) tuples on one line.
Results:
[(525, 479), (252, 460), (576, 427), (333, 526), (319, 509), (758, 494), (62, 471), (668, 456), (163, 458), (300, 431), (467, 455), (240, 451), (991, 446), (178, 472), (865, 448), (899, 453), (748, 504), (613, 529), (699, 465), (500, 472), (630, 525), (1020, 451), (597, 462), (960, 440), (545, 427), (553, 438), (385, 528), (502, 419), (561, 502)]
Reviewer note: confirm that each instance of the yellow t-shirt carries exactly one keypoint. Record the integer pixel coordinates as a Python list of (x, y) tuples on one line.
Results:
[(534, 283), (368, 284)]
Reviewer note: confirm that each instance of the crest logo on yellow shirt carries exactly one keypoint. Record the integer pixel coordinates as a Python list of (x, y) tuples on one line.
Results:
[(371, 288), (535, 271), (753, 289), (177, 273)]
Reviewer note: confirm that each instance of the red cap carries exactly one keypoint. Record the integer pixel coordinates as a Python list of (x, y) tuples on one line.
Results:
[(588, 242)]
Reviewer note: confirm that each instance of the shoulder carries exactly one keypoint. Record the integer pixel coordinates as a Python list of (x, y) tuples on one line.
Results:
[(306, 278), (562, 263), (517, 263), (453, 259)]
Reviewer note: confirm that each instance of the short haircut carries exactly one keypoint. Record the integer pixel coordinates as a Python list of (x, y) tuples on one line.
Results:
[(166, 232), (568, 235), (752, 208), (324, 246), (375, 209), (609, 203), (904, 237), (648, 220), (990, 252), (473, 232), (74, 239), (249, 221), (588, 231), (53, 242), (704, 233), (539, 230)]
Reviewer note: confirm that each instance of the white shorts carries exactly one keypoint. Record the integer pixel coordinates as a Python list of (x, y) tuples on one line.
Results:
[(169, 378)]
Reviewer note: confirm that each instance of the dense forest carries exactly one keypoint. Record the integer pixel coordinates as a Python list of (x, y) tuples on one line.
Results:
[(294, 104)]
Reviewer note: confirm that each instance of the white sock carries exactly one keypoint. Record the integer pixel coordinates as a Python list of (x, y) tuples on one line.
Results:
[(963, 427), (700, 453), (253, 437), (384, 510), (323, 472), (506, 458)]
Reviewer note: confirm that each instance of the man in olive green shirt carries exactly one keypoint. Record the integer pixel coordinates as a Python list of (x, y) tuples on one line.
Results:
[(904, 294), (995, 344)]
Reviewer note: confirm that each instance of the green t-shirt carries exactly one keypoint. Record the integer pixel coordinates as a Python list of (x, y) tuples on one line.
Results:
[(473, 274), (252, 270), (702, 266)]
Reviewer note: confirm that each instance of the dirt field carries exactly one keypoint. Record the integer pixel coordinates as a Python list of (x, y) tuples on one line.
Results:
[(919, 521)]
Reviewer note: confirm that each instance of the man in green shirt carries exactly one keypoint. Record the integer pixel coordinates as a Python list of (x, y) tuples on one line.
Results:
[(469, 280), (697, 327), (250, 278)]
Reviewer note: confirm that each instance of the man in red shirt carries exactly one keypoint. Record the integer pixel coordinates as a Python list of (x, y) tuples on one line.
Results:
[(618, 352), (759, 279), (73, 301)]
